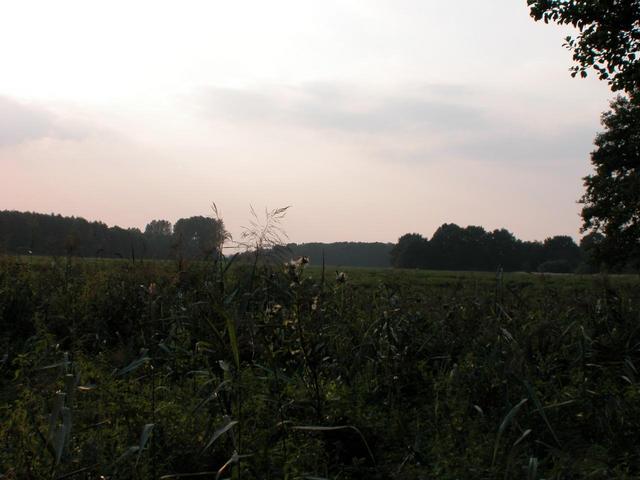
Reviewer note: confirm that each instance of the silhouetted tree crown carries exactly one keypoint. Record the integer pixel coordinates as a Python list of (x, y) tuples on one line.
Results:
[(612, 197), (608, 41), (198, 236), (608, 37), (411, 251), (160, 228), (41, 234), (473, 248), (589, 245), (451, 247)]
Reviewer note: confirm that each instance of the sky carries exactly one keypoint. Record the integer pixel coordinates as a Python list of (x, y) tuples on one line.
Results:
[(371, 118)]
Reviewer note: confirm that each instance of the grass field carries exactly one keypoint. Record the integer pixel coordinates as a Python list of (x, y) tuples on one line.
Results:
[(114, 369)]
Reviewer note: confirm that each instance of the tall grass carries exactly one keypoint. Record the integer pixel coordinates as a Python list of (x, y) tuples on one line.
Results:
[(259, 370)]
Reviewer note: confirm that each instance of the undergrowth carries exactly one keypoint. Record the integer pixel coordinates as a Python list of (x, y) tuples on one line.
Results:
[(263, 371)]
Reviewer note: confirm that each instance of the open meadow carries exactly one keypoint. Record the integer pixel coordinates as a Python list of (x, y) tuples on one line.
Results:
[(114, 369), (303, 240)]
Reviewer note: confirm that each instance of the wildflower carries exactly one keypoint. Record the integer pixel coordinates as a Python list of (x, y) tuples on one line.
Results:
[(299, 262), (294, 269), (276, 308)]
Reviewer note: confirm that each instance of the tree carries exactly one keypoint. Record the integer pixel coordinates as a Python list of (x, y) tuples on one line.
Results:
[(589, 245), (608, 40), (503, 250), (199, 235), (158, 238), (158, 228), (561, 248), (456, 248), (411, 251), (612, 197)]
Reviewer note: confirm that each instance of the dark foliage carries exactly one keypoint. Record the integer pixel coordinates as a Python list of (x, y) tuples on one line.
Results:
[(608, 40), (199, 236), (120, 370), (612, 197), (41, 234), (474, 249), (353, 254)]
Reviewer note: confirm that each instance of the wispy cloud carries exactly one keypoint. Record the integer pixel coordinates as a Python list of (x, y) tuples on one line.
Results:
[(527, 145), (22, 122), (340, 108), (420, 124)]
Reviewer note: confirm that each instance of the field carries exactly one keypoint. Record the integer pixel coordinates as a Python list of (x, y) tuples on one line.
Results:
[(114, 369)]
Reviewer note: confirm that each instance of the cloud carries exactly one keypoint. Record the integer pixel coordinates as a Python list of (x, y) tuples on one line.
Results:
[(419, 124), (517, 147), (340, 108), (522, 145), (20, 123)]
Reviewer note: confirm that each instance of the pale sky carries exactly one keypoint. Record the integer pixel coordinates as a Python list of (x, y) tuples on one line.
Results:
[(371, 118)]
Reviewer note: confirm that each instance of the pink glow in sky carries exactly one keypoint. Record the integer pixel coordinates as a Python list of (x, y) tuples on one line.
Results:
[(371, 118)]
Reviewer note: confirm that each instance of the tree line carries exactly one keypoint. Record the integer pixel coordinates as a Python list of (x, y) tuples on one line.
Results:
[(473, 248), (353, 254), (450, 248), (43, 234)]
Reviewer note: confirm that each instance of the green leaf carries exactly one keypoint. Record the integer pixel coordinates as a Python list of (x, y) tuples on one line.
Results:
[(144, 437), (233, 340), (212, 396), (62, 434), (57, 408), (524, 435), (532, 470), (128, 452), (228, 425), (538, 405), (503, 426), (143, 360), (233, 460)]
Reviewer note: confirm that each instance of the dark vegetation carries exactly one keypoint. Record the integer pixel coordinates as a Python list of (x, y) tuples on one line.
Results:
[(450, 248), (473, 248), (607, 40), (115, 369), (353, 254), (134, 369), (612, 197), (42, 234)]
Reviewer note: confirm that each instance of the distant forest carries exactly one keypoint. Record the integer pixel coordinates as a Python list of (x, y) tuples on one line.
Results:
[(473, 248), (352, 254), (450, 248), (41, 234)]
